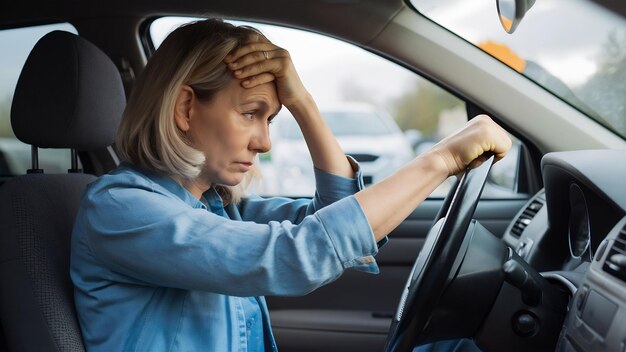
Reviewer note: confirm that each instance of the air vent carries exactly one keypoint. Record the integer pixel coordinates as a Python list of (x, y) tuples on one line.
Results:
[(616, 259), (527, 215)]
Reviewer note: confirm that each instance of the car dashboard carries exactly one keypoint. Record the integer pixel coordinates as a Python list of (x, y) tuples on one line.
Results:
[(575, 229)]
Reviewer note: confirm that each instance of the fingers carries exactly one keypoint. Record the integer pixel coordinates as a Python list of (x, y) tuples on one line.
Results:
[(480, 160), (257, 72), (249, 48), (253, 38), (258, 80), (472, 145), (258, 62), (257, 37), (496, 140), (500, 142)]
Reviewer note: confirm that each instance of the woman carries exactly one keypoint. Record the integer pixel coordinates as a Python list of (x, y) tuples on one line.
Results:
[(167, 254)]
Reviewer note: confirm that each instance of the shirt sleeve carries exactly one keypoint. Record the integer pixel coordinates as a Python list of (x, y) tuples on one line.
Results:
[(145, 237), (329, 188)]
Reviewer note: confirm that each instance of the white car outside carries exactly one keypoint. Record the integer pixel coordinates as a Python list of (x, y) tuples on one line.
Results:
[(367, 134)]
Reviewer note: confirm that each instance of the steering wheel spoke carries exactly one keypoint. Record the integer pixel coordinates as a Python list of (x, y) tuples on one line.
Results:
[(433, 266)]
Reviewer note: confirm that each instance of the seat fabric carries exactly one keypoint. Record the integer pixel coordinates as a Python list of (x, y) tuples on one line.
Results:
[(69, 95)]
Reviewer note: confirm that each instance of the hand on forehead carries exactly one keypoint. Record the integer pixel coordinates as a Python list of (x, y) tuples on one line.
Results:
[(256, 37)]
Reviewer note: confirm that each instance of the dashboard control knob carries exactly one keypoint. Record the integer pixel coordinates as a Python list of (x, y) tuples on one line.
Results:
[(525, 325)]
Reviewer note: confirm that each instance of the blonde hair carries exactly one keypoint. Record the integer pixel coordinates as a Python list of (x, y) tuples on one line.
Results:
[(191, 55)]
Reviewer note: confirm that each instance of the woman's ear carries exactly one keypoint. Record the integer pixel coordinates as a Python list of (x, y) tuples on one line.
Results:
[(182, 107)]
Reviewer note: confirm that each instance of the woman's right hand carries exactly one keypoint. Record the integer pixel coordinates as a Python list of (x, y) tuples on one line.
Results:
[(387, 203), (469, 146)]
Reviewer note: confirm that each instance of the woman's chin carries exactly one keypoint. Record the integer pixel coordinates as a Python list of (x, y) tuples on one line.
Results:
[(232, 180)]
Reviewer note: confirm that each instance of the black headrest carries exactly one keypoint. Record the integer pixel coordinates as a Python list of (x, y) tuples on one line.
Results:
[(69, 95)]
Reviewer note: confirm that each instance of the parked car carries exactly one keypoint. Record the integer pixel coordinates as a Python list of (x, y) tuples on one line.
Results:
[(368, 135), (549, 271)]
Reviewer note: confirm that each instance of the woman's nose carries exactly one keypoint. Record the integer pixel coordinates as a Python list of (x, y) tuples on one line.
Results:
[(261, 142)]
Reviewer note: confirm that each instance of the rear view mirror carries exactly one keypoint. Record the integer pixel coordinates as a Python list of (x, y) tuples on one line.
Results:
[(511, 12)]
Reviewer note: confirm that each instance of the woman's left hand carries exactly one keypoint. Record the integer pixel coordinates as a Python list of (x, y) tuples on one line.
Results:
[(260, 61)]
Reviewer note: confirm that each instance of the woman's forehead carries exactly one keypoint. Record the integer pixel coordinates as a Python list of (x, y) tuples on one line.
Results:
[(263, 93)]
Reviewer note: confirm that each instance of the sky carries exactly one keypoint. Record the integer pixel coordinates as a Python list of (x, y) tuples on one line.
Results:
[(563, 36)]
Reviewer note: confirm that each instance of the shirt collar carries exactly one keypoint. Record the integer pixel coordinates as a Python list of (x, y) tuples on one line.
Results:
[(168, 184), (216, 204)]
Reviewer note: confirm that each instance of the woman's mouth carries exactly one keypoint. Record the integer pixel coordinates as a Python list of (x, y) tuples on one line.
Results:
[(244, 166)]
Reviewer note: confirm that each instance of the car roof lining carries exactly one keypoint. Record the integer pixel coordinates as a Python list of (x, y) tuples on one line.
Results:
[(316, 15)]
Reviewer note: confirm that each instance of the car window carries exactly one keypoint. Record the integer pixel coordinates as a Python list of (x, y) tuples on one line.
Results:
[(382, 114), (576, 49), (15, 156)]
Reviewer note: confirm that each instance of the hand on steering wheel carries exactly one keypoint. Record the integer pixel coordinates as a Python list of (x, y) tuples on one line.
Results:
[(433, 266)]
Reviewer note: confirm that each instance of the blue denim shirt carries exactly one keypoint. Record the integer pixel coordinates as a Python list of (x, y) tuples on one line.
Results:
[(155, 270), (251, 307)]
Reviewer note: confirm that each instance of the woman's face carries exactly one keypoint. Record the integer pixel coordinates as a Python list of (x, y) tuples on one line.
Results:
[(232, 129)]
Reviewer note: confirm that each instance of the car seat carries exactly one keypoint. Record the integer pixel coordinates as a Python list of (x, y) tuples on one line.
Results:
[(69, 95)]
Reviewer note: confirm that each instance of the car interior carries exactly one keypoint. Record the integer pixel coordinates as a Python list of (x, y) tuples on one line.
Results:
[(540, 266)]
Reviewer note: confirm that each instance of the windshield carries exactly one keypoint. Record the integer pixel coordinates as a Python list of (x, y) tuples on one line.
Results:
[(573, 48)]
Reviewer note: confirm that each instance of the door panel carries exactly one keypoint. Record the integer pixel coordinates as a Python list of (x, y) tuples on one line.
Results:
[(315, 340), (354, 312)]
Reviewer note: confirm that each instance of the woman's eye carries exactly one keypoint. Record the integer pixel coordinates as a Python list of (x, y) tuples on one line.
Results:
[(248, 115)]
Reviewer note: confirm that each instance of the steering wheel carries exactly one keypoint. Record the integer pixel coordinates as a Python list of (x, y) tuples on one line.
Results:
[(432, 268)]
